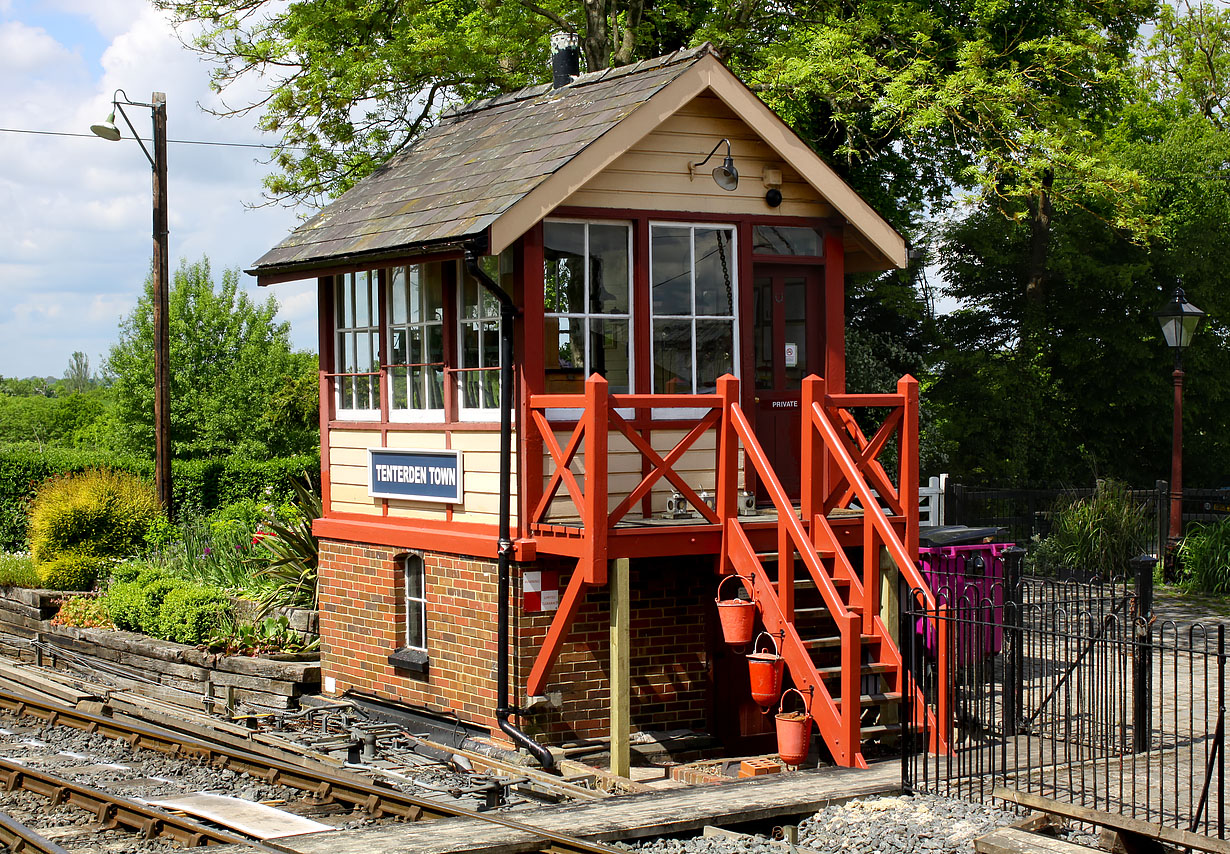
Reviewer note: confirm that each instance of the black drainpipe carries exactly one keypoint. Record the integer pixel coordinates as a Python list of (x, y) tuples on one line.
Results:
[(508, 312)]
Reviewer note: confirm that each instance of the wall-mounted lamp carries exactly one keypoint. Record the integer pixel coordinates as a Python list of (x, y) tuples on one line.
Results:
[(726, 176)]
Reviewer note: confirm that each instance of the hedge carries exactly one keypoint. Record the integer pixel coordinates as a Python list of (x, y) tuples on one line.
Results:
[(200, 486)]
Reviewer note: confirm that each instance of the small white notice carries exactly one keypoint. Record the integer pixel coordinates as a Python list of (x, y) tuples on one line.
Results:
[(792, 355), (246, 817)]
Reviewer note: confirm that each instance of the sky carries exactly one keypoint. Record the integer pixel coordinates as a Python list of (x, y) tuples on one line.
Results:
[(76, 213)]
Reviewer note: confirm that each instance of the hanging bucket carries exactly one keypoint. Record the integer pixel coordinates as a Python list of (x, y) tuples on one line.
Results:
[(793, 731), (764, 671), (737, 615)]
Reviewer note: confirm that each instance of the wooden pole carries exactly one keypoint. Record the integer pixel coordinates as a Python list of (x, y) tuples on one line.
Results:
[(162, 346), (621, 667)]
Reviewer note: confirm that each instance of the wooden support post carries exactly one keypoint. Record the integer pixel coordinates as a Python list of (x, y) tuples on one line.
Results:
[(812, 454), (907, 486), (727, 486), (596, 509), (850, 740), (871, 575), (621, 667)]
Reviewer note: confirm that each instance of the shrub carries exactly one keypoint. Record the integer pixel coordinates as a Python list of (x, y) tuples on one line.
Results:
[(1204, 558), (101, 512), (69, 571), (17, 570), (153, 595), (1099, 534), (294, 553), (87, 612), (192, 614), (122, 602), (127, 571)]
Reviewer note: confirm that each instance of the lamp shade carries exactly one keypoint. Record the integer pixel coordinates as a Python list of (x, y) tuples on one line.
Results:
[(1179, 319), (726, 175), (107, 129)]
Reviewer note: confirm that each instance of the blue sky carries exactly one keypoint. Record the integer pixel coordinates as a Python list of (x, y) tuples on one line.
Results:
[(75, 213)]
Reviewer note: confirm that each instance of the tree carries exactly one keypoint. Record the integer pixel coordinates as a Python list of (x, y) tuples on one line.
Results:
[(77, 376), (236, 385)]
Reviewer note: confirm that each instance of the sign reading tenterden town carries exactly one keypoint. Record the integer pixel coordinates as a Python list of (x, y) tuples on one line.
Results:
[(414, 475)]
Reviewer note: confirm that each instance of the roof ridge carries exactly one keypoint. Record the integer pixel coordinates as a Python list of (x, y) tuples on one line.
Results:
[(590, 77)]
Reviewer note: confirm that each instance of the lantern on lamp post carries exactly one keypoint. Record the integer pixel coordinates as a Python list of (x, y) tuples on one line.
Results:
[(1179, 319)]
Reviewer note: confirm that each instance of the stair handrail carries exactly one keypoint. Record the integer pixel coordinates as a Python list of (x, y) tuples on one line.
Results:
[(754, 454), (871, 508)]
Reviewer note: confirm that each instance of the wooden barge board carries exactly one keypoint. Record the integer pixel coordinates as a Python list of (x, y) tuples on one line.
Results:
[(624, 817)]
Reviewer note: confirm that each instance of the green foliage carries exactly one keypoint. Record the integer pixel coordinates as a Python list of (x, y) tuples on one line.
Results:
[(86, 612), (17, 570), (192, 614), (236, 385), (295, 554), (102, 512), (1204, 558), (123, 601), (270, 635), (217, 552), (200, 486), (69, 571), (153, 593), (1099, 534)]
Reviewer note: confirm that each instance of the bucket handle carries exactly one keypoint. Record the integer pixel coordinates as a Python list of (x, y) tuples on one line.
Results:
[(747, 585), (772, 639), (781, 708)]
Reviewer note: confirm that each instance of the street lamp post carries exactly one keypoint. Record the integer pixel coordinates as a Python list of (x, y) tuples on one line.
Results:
[(1179, 319), (162, 373)]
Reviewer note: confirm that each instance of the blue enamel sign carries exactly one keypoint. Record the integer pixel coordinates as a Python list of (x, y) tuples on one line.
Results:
[(414, 475)]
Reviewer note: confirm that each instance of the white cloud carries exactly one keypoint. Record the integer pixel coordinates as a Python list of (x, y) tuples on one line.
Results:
[(75, 213)]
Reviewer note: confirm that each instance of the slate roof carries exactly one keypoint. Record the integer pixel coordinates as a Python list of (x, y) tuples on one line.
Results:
[(478, 161)]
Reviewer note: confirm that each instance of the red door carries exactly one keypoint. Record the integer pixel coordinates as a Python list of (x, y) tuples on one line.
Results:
[(786, 297)]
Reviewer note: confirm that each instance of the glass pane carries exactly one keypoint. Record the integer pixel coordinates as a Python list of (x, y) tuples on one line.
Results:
[(435, 343), (564, 266), (787, 240), (416, 295), (414, 624), (672, 357), (397, 349), (345, 397), (608, 269), (348, 360), (715, 265), (672, 270), (608, 353), (491, 305), (414, 577), (435, 388), (432, 278), (397, 279), (715, 347), (565, 349), (491, 344), (362, 300), (345, 300), (491, 389), (397, 380), (469, 345), (418, 377), (469, 297), (415, 351)]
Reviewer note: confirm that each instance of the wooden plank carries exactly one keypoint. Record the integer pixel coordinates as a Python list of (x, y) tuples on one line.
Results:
[(1174, 836), (27, 678), (621, 667), (1011, 840)]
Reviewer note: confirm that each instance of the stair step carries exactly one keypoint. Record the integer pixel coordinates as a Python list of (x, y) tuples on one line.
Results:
[(823, 554), (879, 730), (822, 611), (866, 670), (810, 584), (828, 642), (875, 699)]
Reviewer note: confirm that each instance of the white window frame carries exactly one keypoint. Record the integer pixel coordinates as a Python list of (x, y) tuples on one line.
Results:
[(693, 317), (574, 414), (344, 286), (408, 560), (477, 413), (412, 415)]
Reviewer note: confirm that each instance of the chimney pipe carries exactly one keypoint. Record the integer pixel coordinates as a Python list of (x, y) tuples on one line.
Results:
[(565, 59)]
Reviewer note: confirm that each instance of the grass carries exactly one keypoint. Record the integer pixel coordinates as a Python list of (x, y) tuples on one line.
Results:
[(17, 570)]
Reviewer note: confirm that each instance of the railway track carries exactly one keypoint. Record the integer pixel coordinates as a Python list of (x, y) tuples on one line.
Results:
[(320, 785)]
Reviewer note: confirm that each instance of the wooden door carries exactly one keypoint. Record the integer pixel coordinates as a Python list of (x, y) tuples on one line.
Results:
[(787, 347)]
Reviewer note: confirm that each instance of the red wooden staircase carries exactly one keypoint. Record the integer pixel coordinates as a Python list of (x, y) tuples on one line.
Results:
[(829, 615)]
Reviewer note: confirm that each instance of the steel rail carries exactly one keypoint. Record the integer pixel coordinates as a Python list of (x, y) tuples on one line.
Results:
[(112, 811), (20, 839), (325, 786)]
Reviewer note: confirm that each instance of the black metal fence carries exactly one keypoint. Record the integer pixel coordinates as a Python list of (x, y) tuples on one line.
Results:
[(1069, 691)]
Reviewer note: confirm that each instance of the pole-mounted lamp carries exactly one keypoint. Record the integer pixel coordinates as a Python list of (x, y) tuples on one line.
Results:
[(726, 176), (1179, 320), (162, 377)]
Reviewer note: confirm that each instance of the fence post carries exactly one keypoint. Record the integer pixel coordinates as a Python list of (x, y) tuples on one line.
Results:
[(1142, 654), (1014, 678)]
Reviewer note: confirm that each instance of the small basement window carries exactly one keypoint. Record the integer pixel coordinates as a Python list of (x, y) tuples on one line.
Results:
[(413, 654)]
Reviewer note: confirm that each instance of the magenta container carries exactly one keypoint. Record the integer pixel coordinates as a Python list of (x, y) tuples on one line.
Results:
[(970, 581)]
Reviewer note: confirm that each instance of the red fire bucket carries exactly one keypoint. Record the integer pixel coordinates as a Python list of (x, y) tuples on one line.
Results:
[(764, 671), (793, 731), (736, 615)]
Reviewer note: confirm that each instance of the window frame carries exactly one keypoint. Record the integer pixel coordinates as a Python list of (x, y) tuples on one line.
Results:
[(347, 283), (629, 316), (407, 560), (459, 369), (734, 318), (412, 415)]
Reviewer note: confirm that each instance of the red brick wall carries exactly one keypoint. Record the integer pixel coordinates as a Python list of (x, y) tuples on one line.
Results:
[(362, 621)]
